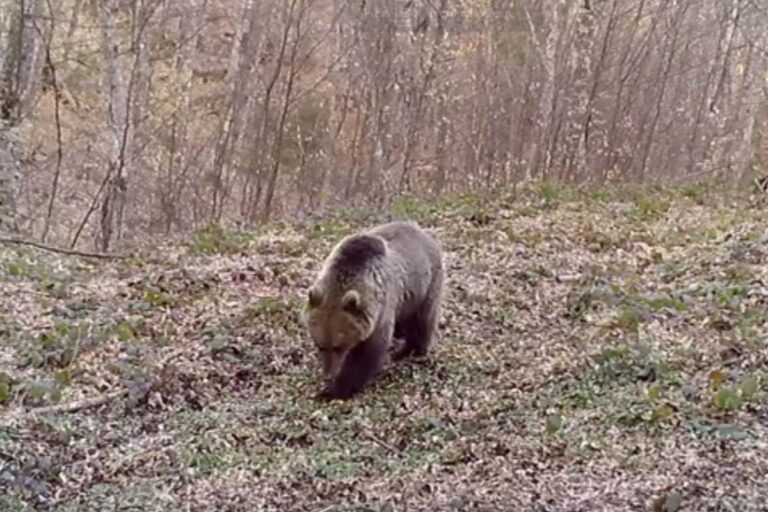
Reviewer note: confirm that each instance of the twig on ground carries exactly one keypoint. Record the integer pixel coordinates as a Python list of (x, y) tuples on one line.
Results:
[(381, 443), (79, 405), (69, 252), (568, 278)]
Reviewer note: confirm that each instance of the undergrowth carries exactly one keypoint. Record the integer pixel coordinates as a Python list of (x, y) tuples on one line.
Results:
[(589, 336)]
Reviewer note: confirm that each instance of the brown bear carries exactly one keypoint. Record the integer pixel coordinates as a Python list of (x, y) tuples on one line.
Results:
[(373, 284)]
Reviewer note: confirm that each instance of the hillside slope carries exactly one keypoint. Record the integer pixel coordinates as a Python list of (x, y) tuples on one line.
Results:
[(597, 352)]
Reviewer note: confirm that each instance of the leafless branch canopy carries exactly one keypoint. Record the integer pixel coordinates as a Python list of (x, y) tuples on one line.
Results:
[(123, 119)]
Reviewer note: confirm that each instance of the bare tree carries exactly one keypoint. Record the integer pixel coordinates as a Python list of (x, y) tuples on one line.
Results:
[(126, 118), (20, 70)]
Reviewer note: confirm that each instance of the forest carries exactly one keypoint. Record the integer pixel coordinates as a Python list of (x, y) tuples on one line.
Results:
[(174, 172)]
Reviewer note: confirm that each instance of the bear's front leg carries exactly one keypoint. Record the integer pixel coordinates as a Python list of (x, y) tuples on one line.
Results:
[(360, 367)]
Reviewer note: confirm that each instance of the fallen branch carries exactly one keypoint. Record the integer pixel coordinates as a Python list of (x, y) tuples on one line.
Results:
[(568, 278), (381, 443), (79, 405), (88, 403), (61, 250)]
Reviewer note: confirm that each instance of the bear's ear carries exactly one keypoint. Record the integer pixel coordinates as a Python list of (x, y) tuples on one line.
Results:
[(314, 297), (351, 302)]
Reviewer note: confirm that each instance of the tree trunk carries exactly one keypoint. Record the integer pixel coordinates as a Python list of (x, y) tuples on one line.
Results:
[(113, 205), (10, 176), (20, 70), (574, 159)]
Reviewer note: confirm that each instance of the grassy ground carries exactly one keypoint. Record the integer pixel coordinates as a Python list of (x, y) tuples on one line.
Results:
[(598, 351)]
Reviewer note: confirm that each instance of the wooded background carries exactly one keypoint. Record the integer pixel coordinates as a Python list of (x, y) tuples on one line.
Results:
[(121, 119)]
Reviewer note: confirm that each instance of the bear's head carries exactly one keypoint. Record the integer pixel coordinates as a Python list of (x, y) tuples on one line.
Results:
[(337, 322)]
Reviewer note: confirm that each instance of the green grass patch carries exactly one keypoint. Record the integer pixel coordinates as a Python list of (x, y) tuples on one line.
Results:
[(215, 239)]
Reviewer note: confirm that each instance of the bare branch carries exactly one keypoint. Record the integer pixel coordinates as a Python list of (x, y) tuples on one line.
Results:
[(61, 250), (79, 405)]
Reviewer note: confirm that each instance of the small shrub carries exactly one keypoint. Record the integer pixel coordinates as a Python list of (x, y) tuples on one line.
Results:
[(728, 398), (648, 207), (696, 193), (5, 387), (406, 207), (549, 194), (56, 347), (330, 230), (215, 239)]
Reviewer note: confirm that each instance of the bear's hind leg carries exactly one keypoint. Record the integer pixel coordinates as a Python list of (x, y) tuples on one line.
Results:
[(419, 331)]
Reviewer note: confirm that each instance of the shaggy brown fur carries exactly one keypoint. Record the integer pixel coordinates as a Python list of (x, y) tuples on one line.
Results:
[(374, 284)]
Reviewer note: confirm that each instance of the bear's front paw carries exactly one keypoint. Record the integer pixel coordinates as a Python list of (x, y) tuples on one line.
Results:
[(335, 392), (324, 395)]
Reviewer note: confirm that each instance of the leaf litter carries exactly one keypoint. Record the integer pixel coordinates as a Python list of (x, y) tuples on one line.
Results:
[(593, 355)]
